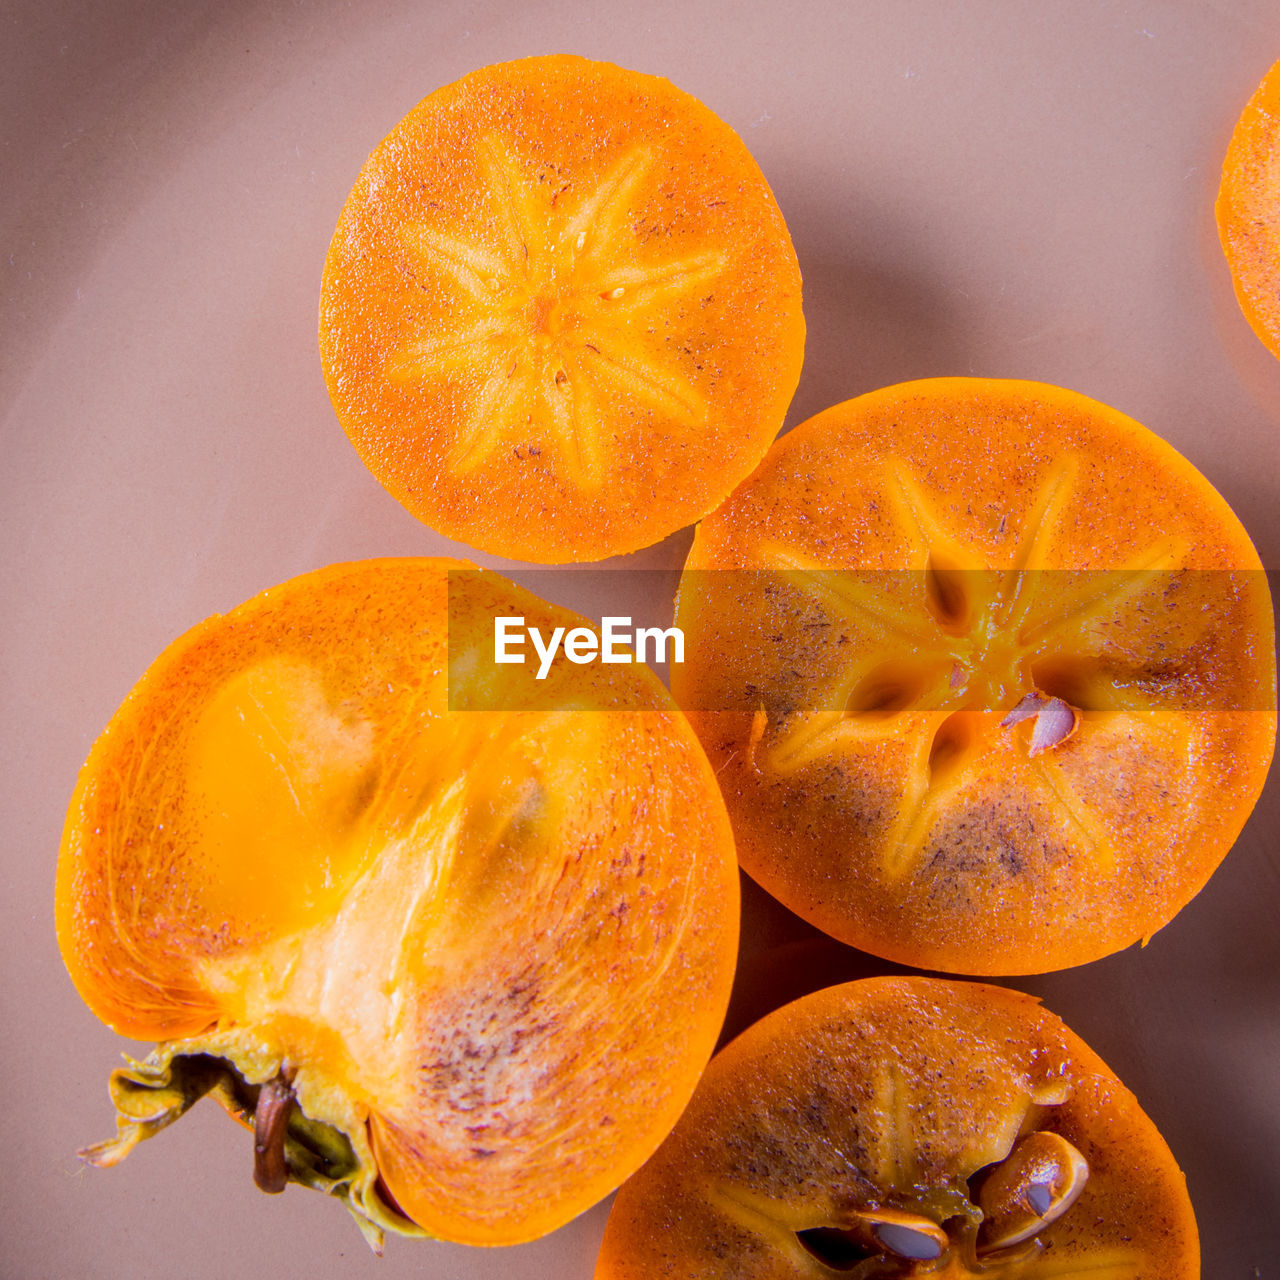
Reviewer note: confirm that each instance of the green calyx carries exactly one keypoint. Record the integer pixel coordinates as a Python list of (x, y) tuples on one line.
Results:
[(332, 1155)]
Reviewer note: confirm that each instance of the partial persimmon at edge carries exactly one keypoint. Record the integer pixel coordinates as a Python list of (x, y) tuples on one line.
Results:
[(898, 1102), (1248, 210)]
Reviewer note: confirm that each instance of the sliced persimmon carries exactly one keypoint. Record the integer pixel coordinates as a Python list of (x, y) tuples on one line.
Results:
[(461, 967), (907, 1127), (1248, 210), (986, 671), (561, 311)]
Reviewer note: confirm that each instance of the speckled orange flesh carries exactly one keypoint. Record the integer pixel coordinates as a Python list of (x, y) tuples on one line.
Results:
[(855, 729), (561, 311), (502, 941), (1248, 210), (895, 1092)]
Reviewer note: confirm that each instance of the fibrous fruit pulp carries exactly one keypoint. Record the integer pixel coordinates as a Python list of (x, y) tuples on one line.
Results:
[(460, 967)]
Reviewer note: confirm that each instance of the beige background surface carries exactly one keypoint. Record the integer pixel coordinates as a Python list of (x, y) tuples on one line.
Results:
[(1010, 188)]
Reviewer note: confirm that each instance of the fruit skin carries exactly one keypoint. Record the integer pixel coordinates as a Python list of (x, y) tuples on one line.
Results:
[(495, 947), (1248, 210), (894, 1092), (928, 833), (455, 296)]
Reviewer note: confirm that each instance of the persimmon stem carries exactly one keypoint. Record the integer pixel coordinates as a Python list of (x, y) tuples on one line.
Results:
[(270, 1124)]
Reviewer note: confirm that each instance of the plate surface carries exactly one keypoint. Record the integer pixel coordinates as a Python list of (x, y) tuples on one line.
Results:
[(1002, 189)]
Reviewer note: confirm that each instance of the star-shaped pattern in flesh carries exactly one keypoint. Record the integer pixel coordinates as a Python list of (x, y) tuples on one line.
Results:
[(957, 660), (542, 315), (904, 1164)]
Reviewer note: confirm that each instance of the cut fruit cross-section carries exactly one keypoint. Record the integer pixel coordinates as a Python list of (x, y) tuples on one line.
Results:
[(460, 968), (986, 671), (1248, 210), (899, 1127), (561, 312)]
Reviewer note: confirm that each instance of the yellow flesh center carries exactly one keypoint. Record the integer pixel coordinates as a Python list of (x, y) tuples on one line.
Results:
[(553, 317)]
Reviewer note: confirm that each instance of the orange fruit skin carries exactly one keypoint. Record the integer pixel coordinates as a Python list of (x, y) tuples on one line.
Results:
[(1248, 210), (500, 942), (560, 315), (916, 826), (894, 1092)]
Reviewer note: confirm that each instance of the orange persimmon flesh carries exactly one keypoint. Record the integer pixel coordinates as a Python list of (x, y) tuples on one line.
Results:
[(995, 690), (489, 951), (560, 316), (892, 1100), (1248, 210)]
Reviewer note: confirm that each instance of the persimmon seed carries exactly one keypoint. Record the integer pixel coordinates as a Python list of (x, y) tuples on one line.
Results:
[(1056, 722), (1040, 1197), (1028, 707), (1039, 1180), (911, 1236), (908, 1243)]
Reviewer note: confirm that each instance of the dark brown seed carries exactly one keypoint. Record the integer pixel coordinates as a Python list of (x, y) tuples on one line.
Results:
[(270, 1124)]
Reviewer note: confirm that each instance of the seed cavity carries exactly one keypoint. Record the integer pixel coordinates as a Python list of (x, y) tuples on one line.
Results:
[(951, 740), (892, 687), (1040, 1179), (884, 1233), (834, 1247), (947, 592), (1083, 682)]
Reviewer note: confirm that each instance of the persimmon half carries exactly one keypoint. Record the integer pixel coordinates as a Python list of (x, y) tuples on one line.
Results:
[(986, 671), (907, 1127), (461, 968), (561, 315), (1248, 210)]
